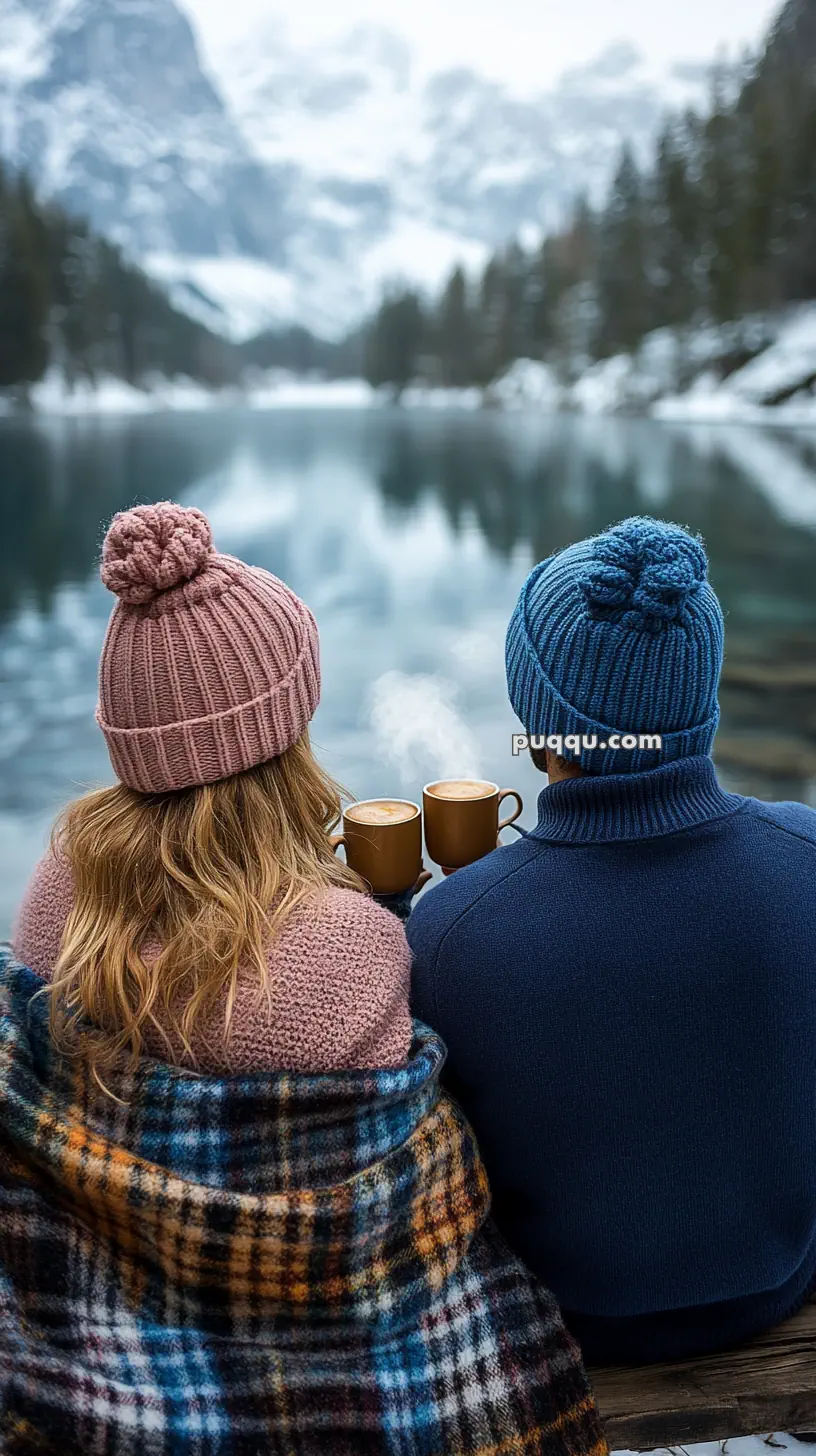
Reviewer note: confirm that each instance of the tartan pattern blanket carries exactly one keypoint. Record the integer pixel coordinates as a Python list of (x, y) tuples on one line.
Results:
[(277, 1265)]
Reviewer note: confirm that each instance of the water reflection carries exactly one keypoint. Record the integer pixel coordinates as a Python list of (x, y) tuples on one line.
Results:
[(409, 534), (60, 484), (753, 495)]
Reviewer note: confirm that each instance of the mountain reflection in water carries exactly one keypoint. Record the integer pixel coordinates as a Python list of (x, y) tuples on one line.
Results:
[(409, 533)]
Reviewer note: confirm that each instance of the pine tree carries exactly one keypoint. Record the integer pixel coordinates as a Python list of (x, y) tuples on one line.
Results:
[(718, 210), (24, 293), (454, 333), (576, 319), (395, 342), (625, 283), (762, 217), (78, 298), (491, 313), (720, 224), (67, 295), (541, 299), (674, 223), (515, 321)]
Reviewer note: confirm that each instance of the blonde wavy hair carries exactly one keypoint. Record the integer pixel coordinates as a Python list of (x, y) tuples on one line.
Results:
[(206, 876)]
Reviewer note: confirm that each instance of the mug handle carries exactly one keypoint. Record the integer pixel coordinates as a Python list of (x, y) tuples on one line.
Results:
[(335, 840), (511, 818)]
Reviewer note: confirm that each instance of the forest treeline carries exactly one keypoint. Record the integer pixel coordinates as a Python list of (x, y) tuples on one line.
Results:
[(69, 298), (720, 224)]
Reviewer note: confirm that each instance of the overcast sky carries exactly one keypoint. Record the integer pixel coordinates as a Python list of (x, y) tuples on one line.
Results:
[(528, 42)]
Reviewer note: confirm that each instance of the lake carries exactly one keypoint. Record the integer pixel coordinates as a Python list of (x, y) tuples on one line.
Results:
[(409, 534)]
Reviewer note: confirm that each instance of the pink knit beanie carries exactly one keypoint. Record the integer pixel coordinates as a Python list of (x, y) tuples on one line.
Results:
[(209, 666)]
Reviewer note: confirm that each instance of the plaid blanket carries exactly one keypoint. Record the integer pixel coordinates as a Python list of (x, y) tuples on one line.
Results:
[(277, 1265)]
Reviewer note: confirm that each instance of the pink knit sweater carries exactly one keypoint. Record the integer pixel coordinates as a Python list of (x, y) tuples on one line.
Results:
[(339, 982)]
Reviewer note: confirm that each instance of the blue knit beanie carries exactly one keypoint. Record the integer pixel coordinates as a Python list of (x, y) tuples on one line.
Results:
[(620, 634)]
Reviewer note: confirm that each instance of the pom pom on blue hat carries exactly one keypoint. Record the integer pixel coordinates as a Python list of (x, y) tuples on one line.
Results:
[(643, 575), (623, 634)]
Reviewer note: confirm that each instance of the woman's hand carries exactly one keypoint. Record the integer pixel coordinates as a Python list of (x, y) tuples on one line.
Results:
[(400, 904)]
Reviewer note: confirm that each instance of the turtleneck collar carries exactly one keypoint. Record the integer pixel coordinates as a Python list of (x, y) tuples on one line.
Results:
[(600, 809)]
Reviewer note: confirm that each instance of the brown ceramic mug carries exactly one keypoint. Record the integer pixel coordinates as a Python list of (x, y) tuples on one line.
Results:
[(462, 819), (383, 843)]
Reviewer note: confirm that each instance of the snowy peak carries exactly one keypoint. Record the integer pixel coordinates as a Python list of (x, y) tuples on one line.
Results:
[(288, 182), (377, 49), (290, 102), (23, 40), (105, 102), (461, 150), (90, 42), (619, 61)]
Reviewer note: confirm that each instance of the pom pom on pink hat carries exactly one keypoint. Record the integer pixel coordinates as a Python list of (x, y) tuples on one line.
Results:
[(209, 666), (152, 549)]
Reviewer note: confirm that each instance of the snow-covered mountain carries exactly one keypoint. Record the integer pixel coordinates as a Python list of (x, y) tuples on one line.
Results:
[(291, 182), (469, 155), (106, 102)]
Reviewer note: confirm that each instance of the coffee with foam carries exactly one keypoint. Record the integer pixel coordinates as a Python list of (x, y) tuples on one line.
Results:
[(462, 789), (381, 811)]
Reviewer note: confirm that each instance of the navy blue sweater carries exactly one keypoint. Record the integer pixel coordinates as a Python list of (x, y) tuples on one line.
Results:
[(628, 996)]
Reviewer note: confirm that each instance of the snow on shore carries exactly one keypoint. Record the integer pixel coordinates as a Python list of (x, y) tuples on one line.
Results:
[(709, 403), (54, 396), (740, 1446), (776, 386), (285, 391)]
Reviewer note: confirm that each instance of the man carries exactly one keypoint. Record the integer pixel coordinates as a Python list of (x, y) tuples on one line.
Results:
[(628, 994)]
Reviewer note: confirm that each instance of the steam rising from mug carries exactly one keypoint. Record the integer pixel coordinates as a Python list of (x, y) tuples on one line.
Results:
[(418, 727)]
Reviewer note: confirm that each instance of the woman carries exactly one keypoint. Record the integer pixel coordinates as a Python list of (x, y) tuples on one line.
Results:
[(197, 911), (237, 1214)]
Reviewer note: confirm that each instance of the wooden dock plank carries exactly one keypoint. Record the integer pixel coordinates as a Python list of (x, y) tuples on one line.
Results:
[(766, 1385)]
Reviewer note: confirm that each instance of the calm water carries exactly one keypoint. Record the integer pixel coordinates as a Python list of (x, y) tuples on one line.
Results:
[(409, 535)]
